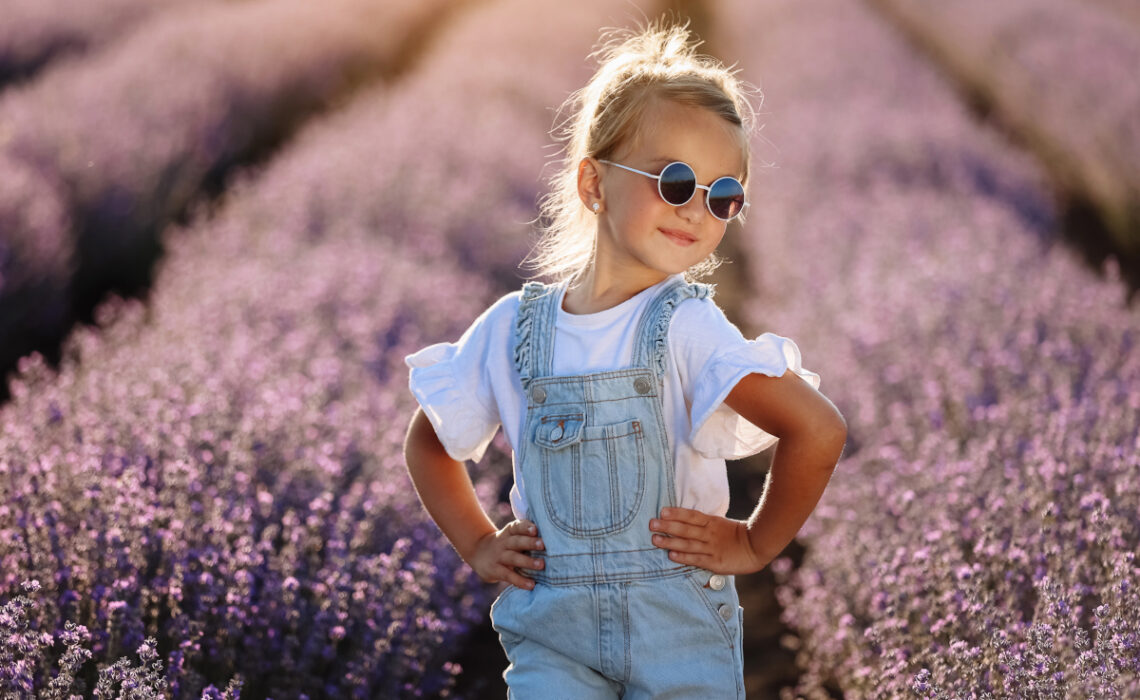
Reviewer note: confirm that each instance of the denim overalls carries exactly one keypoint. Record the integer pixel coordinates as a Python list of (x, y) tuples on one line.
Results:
[(611, 615)]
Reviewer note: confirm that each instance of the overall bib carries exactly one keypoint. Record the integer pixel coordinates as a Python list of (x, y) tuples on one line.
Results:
[(611, 616)]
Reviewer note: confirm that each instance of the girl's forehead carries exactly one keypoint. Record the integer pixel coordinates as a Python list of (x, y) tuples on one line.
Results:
[(669, 130)]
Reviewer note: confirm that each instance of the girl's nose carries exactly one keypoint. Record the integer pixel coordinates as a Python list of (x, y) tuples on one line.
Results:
[(694, 209)]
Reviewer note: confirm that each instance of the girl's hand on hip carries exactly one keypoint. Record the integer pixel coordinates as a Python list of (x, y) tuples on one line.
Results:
[(498, 555), (711, 542)]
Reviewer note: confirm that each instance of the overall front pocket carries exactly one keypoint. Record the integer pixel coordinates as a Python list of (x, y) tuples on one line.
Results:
[(593, 476)]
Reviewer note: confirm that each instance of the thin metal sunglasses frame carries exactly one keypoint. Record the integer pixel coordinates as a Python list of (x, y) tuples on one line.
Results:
[(696, 186)]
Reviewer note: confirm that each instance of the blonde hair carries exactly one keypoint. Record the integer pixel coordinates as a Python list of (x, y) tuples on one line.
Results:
[(659, 61)]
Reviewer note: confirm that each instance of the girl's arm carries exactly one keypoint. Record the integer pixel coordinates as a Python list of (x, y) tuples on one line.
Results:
[(448, 495), (811, 436)]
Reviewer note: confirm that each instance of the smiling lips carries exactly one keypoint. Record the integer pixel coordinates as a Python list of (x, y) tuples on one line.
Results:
[(678, 237)]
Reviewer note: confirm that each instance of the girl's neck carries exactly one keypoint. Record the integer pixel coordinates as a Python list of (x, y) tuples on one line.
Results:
[(597, 291)]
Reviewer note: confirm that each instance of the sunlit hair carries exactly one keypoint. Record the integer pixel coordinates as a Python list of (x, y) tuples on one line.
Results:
[(635, 67)]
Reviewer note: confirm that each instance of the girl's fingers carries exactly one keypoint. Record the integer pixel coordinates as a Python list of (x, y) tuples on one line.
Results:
[(680, 544), (518, 559), (518, 580), (701, 560), (677, 529), (523, 543), (685, 515), (681, 522), (522, 535), (522, 527)]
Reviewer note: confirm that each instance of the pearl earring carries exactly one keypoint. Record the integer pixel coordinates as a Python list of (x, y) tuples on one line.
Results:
[(597, 206)]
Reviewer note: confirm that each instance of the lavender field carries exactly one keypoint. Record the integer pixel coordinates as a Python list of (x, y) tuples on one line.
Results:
[(106, 151), (1006, 57), (205, 495), (979, 538), (35, 33)]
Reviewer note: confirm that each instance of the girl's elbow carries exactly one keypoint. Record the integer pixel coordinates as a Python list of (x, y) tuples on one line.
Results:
[(841, 434), (828, 432), (835, 434)]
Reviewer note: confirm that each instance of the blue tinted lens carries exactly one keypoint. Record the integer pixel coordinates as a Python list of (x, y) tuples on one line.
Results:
[(726, 198), (677, 184)]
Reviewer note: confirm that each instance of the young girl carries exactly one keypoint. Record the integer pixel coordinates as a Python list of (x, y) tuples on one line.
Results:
[(622, 388)]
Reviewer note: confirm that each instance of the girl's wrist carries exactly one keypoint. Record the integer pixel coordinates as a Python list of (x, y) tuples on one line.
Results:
[(761, 549), (469, 550)]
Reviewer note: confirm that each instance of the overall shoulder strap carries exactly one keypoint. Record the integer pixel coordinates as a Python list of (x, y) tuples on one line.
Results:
[(534, 331), (652, 340)]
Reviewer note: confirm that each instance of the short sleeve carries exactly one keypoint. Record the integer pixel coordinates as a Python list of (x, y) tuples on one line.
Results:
[(449, 380), (718, 432)]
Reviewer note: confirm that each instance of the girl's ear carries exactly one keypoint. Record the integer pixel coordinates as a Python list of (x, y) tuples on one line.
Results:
[(590, 183)]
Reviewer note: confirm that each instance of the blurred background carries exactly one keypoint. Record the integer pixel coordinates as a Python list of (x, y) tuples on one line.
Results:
[(224, 223)]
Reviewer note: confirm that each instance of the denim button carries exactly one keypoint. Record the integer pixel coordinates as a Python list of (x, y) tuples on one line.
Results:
[(641, 385), (557, 433), (716, 582), (539, 394), (725, 612)]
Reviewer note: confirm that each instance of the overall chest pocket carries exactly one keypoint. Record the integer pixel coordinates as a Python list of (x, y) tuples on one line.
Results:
[(593, 476)]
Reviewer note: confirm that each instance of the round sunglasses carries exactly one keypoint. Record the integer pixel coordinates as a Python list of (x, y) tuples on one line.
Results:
[(677, 184)]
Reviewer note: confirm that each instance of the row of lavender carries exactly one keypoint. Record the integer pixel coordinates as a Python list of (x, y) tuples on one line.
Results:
[(98, 154), (35, 33), (1125, 9), (979, 538), (1060, 74), (239, 506), (221, 469)]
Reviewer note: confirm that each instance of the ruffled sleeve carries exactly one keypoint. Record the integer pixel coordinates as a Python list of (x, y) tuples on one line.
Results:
[(719, 432), (450, 382)]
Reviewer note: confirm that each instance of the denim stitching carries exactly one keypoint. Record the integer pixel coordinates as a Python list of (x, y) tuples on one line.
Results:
[(739, 652), (612, 551), (541, 438), (627, 514), (572, 403), (626, 625), (575, 457), (712, 609), (563, 416), (589, 579), (597, 616), (634, 429), (612, 473)]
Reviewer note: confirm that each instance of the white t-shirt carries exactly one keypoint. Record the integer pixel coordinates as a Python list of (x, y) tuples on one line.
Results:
[(469, 388)]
